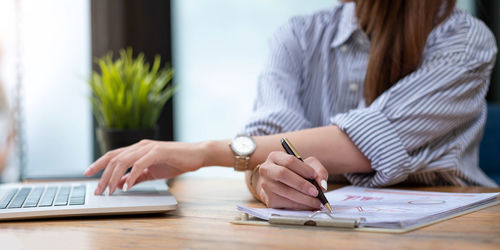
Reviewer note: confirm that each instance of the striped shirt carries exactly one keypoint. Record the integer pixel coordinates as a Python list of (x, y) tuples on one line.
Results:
[(425, 129)]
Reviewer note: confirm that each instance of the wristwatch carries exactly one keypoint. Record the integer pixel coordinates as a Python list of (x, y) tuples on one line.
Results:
[(243, 146)]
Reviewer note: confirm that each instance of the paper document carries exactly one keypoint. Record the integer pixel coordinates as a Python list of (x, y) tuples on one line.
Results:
[(388, 208)]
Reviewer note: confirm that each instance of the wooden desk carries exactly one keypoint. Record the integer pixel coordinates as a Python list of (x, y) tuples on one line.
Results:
[(202, 221)]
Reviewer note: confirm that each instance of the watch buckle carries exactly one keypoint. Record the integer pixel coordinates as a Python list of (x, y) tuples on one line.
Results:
[(241, 163)]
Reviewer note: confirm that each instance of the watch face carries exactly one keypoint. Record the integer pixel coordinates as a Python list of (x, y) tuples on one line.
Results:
[(243, 145)]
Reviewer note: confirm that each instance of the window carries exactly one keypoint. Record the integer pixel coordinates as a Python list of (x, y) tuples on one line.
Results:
[(54, 58)]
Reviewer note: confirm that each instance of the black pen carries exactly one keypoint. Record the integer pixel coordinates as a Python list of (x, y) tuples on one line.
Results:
[(291, 151)]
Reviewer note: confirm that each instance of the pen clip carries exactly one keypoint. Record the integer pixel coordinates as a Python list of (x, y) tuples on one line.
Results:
[(287, 145)]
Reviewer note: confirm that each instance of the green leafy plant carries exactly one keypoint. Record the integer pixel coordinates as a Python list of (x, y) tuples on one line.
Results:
[(128, 93)]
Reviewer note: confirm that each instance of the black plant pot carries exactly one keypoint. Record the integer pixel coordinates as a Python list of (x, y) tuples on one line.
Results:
[(110, 139)]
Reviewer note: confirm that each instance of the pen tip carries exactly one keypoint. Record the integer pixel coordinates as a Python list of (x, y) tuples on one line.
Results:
[(327, 205)]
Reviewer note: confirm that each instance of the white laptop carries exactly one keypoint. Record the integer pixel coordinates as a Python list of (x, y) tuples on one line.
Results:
[(62, 199)]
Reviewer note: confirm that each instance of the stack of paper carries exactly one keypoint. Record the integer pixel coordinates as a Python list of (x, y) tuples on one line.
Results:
[(389, 208)]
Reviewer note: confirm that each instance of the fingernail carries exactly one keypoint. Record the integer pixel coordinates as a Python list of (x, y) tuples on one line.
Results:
[(313, 191), (125, 187), (324, 184), (106, 191)]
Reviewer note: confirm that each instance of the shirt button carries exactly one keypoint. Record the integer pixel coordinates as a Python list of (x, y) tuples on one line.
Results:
[(343, 48), (361, 41), (353, 87)]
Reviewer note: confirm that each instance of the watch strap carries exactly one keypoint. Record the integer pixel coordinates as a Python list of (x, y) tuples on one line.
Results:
[(241, 163)]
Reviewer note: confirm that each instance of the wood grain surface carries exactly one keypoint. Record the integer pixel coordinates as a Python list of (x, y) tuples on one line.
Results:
[(202, 221)]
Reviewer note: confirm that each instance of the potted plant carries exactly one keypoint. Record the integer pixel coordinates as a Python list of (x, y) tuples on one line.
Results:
[(127, 98)]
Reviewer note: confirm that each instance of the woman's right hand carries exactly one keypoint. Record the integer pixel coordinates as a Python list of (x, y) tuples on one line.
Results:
[(281, 182), (148, 160)]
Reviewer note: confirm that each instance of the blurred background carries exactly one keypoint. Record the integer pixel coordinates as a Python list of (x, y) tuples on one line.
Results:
[(216, 47)]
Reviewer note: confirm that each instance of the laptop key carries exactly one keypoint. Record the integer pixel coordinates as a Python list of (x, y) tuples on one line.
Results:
[(18, 200), (77, 201), (78, 191), (77, 196), (62, 196), (34, 197), (48, 197), (7, 198)]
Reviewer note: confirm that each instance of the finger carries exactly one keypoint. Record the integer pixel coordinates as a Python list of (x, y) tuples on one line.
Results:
[(291, 162), (322, 178), (117, 162), (145, 176), (141, 165), (114, 163), (103, 182), (122, 181), (116, 177), (276, 201), (263, 197), (102, 185), (102, 162), (288, 177), (292, 194), (124, 162)]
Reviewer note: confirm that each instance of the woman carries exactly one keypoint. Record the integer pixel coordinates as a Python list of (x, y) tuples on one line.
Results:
[(377, 92)]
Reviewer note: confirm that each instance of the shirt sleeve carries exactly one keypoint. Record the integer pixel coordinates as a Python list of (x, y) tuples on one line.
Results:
[(426, 110), (277, 107)]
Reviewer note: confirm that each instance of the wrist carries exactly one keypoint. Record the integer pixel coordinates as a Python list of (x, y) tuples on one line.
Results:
[(216, 153)]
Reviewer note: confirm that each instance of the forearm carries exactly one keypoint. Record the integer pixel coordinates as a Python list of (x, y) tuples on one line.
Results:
[(329, 144)]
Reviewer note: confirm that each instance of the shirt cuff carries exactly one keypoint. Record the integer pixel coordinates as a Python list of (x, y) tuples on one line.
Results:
[(375, 136)]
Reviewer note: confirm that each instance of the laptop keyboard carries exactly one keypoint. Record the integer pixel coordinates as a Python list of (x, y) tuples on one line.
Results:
[(29, 197)]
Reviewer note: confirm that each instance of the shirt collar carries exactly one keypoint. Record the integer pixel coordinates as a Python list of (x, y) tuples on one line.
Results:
[(348, 24)]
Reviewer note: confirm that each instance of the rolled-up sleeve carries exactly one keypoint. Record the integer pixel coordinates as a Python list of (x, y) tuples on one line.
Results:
[(432, 112), (277, 107)]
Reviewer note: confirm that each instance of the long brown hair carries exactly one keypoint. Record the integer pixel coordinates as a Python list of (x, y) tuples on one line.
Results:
[(398, 30)]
